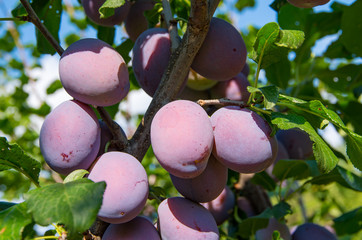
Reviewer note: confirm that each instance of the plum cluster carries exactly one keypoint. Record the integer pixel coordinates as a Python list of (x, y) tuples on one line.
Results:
[(196, 149)]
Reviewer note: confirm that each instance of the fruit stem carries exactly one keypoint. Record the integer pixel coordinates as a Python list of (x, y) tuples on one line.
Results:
[(33, 18), (171, 24)]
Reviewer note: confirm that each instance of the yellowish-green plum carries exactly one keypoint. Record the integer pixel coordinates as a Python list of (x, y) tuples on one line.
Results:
[(198, 82)]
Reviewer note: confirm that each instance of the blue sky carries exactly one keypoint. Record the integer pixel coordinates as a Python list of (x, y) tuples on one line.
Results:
[(258, 16)]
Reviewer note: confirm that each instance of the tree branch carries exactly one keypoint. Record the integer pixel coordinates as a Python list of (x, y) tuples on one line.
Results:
[(171, 25), (33, 18), (173, 78), (221, 102)]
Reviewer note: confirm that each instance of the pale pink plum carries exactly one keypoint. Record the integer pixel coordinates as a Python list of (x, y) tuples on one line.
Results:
[(151, 53), (70, 137), (182, 138), (243, 140), (93, 72), (91, 9), (274, 225), (307, 3), (205, 187), (233, 89), (309, 231), (139, 228), (127, 186), (136, 22), (296, 142), (222, 206), (180, 218), (245, 205), (281, 154), (223, 53)]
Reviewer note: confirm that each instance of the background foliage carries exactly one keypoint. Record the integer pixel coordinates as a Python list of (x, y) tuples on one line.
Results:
[(315, 90)]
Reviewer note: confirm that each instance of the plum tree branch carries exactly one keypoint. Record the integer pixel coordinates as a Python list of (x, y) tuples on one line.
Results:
[(175, 75), (221, 102), (171, 24), (33, 18)]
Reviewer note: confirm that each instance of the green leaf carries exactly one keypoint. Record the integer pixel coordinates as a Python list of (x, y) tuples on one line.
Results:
[(291, 39), (13, 157), (5, 205), (107, 9), (264, 180), (288, 168), (272, 44), (124, 49), (54, 86), (270, 94), (76, 175), (352, 28), (241, 4), (341, 176), (325, 157), (348, 223), (106, 34), (13, 222), (250, 225), (49, 13), (74, 204), (277, 4), (279, 73)]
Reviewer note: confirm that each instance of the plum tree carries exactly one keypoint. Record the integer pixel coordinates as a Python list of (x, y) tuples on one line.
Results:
[(80, 76), (312, 231), (222, 206), (151, 53), (296, 142), (70, 137), (127, 186), (91, 9), (222, 54), (243, 140), (180, 218), (206, 186), (307, 3), (136, 22), (182, 138), (138, 228)]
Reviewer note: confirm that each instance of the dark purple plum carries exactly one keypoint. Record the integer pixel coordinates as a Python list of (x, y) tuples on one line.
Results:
[(274, 225), (222, 206), (309, 231), (151, 53), (193, 95), (223, 53), (139, 228), (136, 22), (70, 137), (180, 218), (182, 138), (205, 187), (233, 89), (91, 9), (281, 154), (307, 3), (243, 140), (296, 142), (246, 70), (93, 72), (127, 186), (245, 205)]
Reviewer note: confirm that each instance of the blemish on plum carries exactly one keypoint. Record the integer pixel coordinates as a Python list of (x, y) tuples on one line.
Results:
[(123, 213), (196, 226), (65, 157)]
